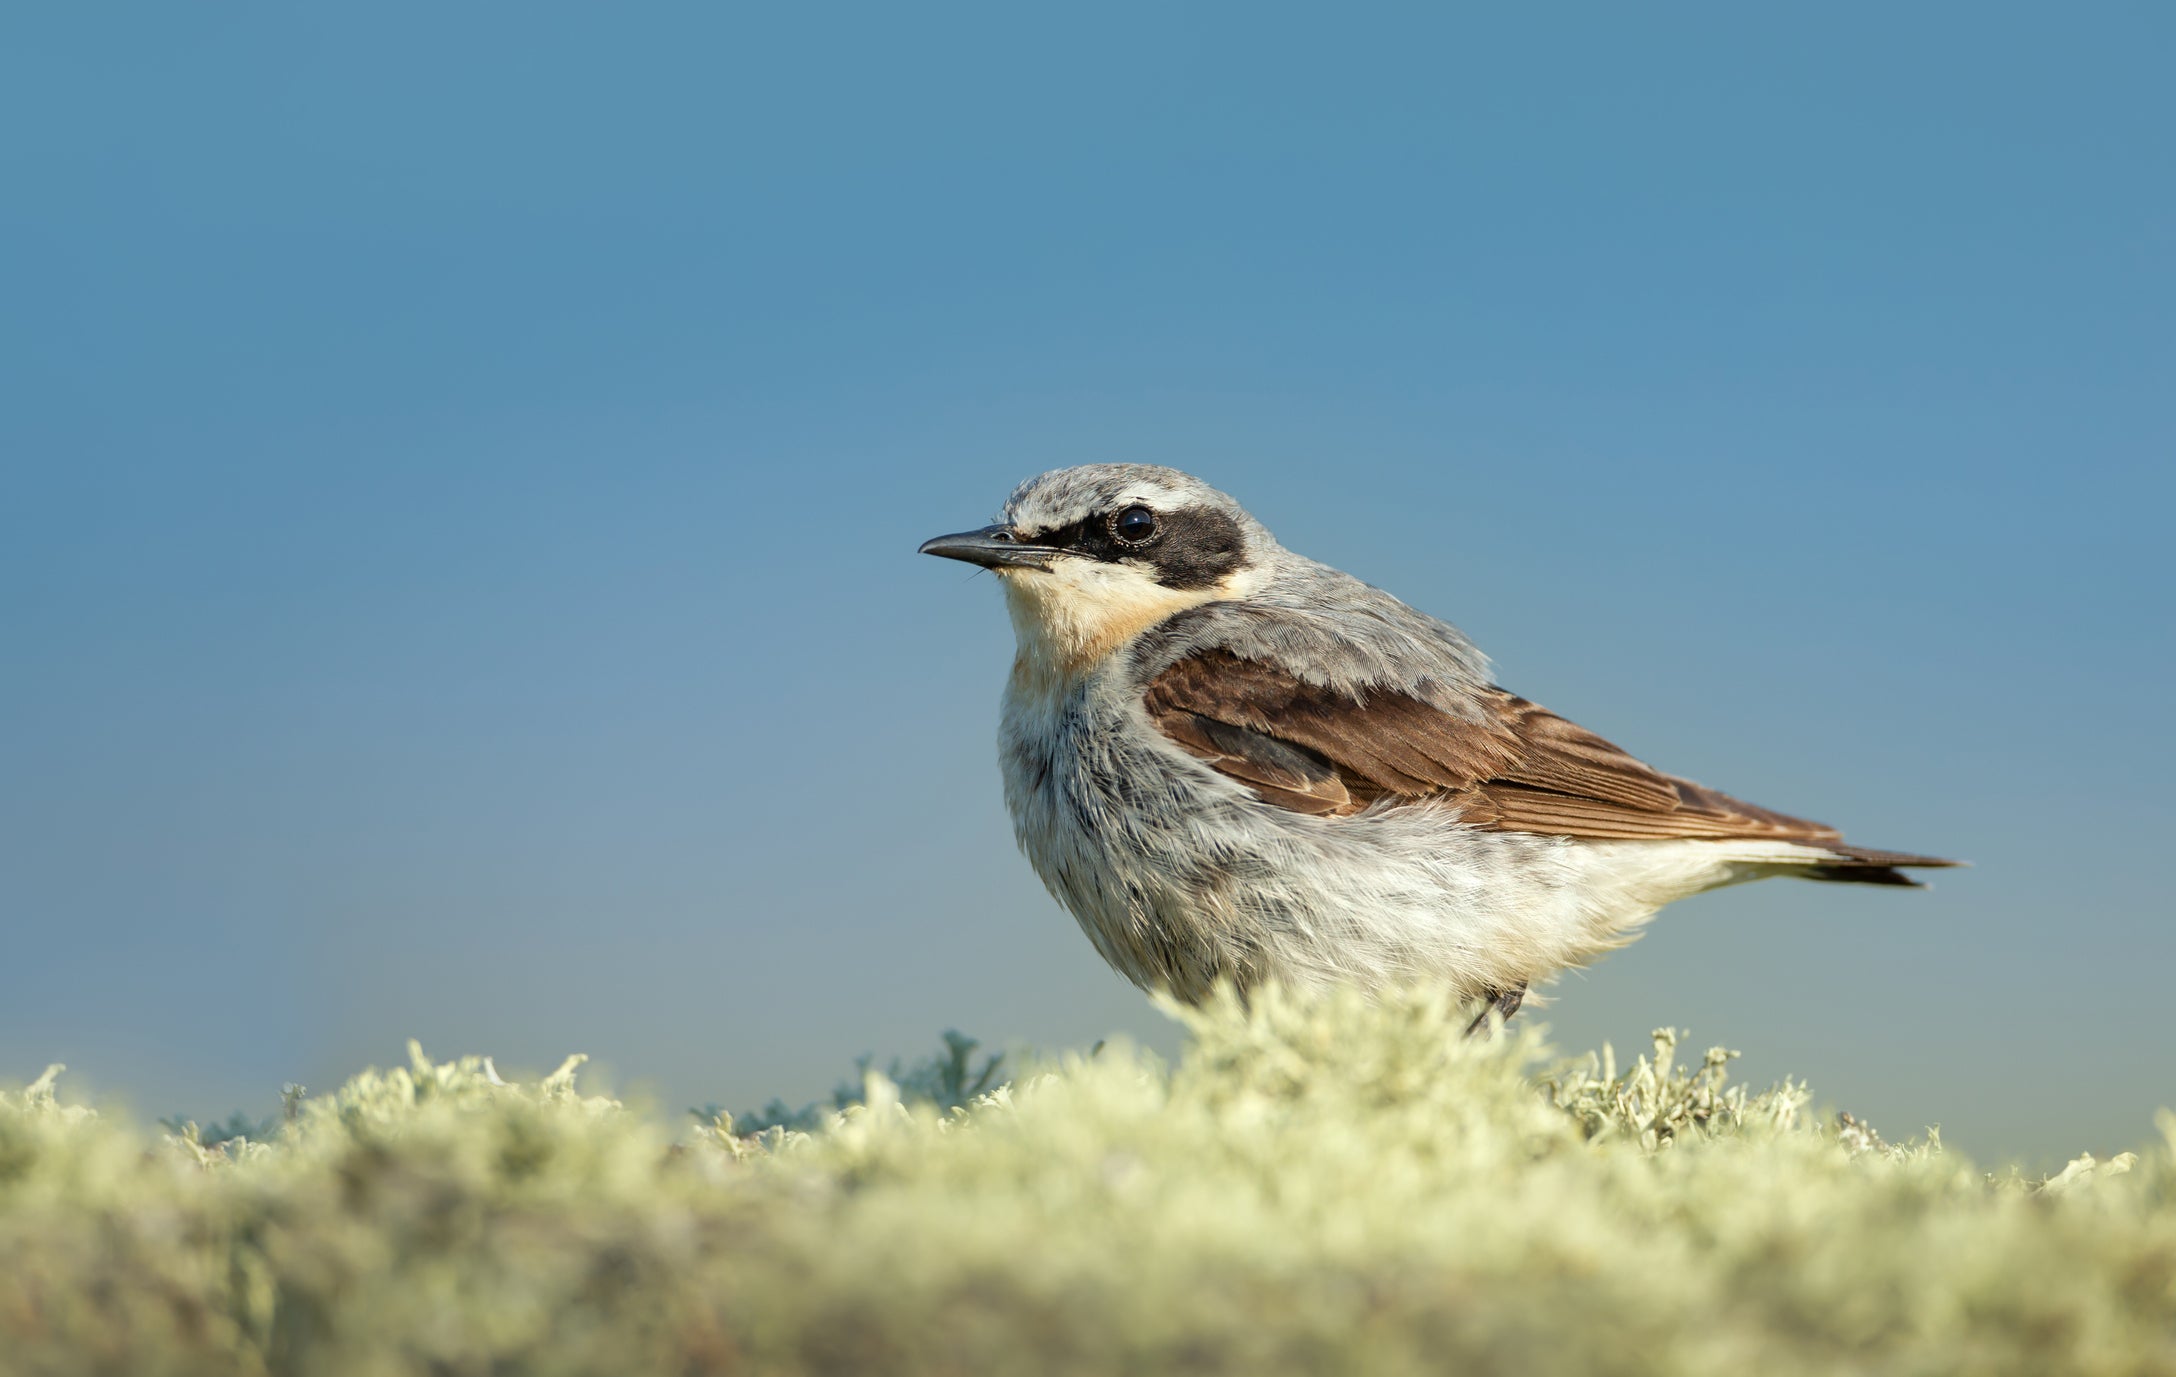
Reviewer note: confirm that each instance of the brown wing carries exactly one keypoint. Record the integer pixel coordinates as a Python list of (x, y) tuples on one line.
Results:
[(1514, 767)]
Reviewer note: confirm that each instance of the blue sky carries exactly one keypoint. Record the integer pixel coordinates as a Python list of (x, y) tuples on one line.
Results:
[(463, 468)]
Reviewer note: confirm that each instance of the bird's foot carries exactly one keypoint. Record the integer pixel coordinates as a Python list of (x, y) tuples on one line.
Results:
[(1502, 1002)]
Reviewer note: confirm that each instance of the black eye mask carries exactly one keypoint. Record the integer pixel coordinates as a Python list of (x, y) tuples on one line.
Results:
[(1190, 548)]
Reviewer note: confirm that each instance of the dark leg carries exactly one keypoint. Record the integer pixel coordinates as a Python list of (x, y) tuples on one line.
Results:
[(1504, 1002)]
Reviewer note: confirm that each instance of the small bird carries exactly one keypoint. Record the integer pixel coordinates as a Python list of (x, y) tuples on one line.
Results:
[(1233, 763)]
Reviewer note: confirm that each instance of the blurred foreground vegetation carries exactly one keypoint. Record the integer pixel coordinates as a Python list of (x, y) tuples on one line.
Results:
[(1315, 1187)]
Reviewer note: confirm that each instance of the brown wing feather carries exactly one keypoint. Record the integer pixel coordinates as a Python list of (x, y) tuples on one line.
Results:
[(1513, 767), (1284, 775)]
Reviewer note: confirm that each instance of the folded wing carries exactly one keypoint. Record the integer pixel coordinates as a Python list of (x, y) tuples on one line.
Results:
[(1512, 766)]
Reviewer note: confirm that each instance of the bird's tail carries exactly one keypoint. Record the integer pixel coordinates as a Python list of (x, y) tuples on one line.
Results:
[(1860, 865)]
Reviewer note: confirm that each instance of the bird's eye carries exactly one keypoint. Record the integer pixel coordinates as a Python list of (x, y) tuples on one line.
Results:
[(1134, 526)]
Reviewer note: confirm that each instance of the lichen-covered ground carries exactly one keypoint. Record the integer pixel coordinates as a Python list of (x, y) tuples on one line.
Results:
[(1315, 1188)]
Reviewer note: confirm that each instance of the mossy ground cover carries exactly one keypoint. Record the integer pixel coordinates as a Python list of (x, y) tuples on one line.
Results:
[(1315, 1186)]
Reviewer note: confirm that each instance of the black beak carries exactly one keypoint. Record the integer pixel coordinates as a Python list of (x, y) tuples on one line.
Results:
[(992, 547)]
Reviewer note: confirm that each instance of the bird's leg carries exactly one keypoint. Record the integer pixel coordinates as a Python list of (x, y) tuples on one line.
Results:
[(1504, 1002)]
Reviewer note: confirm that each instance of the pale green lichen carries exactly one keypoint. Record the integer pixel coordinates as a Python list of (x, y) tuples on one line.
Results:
[(1315, 1186), (949, 1081)]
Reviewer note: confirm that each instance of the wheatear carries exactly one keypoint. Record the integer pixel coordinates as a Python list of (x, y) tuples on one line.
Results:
[(1232, 762)]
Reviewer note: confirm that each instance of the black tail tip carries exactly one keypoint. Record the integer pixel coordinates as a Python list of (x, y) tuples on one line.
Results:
[(1863, 875), (1859, 865)]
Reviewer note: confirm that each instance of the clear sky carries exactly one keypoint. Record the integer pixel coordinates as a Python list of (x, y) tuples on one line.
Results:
[(463, 466)]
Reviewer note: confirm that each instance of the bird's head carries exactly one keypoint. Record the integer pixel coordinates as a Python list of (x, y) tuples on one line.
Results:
[(1090, 557)]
